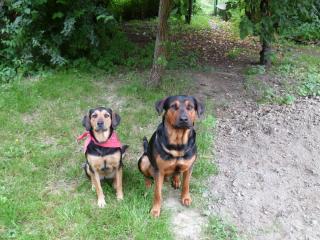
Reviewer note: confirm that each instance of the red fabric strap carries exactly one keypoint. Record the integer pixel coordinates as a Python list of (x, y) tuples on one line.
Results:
[(112, 142)]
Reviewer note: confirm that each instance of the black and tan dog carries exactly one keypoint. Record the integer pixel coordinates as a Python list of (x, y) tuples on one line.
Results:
[(172, 148), (103, 150)]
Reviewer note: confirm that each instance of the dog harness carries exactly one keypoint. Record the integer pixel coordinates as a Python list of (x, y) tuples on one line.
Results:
[(112, 142)]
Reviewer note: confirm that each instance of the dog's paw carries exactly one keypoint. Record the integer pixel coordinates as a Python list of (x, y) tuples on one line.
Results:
[(119, 196), (186, 200), (148, 183), (101, 203), (175, 182), (155, 212)]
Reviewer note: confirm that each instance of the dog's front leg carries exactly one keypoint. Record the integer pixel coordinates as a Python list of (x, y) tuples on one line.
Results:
[(96, 182), (185, 195), (118, 183), (155, 211)]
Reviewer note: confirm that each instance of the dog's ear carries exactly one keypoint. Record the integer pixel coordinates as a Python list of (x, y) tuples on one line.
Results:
[(199, 107), (86, 122), (160, 104), (115, 121)]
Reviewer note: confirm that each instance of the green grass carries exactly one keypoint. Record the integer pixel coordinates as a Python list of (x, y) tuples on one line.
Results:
[(44, 193), (198, 22), (296, 73), (219, 230)]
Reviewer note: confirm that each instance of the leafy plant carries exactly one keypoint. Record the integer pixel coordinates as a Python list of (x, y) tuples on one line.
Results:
[(53, 32)]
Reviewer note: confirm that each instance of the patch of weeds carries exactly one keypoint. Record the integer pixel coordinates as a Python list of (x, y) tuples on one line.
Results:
[(205, 138), (295, 74), (219, 230), (254, 70), (198, 22), (123, 52), (171, 85), (179, 58), (311, 84), (234, 53)]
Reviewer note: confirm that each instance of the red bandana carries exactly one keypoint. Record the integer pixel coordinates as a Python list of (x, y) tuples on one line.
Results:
[(112, 142)]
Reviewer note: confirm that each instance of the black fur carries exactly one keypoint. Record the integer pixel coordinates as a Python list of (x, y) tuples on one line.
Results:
[(96, 150), (160, 139)]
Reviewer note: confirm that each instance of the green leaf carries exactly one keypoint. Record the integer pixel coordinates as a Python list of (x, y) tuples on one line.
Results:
[(246, 27), (57, 15), (27, 11)]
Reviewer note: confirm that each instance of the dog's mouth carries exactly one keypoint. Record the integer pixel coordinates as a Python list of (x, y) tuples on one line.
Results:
[(100, 129), (183, 126)]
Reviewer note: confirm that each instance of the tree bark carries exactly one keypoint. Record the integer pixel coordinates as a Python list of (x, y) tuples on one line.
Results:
[(265, 53), (189, 13), (160, 54), (215, 9)]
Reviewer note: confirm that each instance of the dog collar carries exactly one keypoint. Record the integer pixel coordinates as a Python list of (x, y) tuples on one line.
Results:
[(112, 142)]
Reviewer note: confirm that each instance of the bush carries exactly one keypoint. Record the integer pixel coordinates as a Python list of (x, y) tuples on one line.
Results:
[(122, 52), (134, 9), (304, 23), (53, 32)]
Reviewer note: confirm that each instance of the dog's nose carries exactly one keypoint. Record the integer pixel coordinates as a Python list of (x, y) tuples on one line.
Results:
[(183, 118), (100, 124)]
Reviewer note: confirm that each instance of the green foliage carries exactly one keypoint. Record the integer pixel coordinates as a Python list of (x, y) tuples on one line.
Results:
[(234, 52), (297, 19), (311, 85), (304, 22), (122, 52), (219, 230), (199, 22), (296, 73), (205, 165), (134, 9), (53, 32), (180, 7)]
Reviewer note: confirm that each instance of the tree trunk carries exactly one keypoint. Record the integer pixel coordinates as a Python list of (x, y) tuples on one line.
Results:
[(160, 54), (215, 9), (189, 13), (265, 53)]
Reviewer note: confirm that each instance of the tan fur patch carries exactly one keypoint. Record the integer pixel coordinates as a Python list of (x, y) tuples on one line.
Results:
[(112, 163), (167, 168)]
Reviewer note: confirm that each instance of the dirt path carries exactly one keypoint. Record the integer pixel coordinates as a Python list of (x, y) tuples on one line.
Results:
[(187, 223), (268, 157)]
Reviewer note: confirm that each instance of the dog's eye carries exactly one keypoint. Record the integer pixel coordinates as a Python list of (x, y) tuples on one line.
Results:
[(106, 115), (189, 107), (94, 115), (174, 106)]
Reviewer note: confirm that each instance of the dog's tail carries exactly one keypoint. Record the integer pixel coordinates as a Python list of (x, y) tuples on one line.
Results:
[(124, 148), (145, 145)]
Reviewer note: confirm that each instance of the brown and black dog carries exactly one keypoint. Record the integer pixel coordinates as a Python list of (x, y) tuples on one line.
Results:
[(103, 150), (172, 148)]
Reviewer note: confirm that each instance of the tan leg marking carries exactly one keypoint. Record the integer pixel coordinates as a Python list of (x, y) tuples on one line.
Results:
[(155, 211), (96, 182), (176, 181), (118, 181), (185, 195)]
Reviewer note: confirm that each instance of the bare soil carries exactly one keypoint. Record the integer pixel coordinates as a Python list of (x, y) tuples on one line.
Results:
[(268, 156)]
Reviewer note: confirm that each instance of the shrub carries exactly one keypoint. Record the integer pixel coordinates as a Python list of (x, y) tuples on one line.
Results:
[(134, 9), (52, 32)]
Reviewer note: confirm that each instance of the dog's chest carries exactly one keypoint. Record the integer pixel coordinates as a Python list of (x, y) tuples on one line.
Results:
[(174, 166), (105, 165)]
